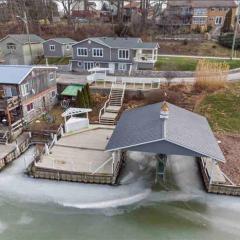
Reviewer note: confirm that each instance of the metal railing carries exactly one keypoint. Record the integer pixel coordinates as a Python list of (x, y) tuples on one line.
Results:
[(103, 109)]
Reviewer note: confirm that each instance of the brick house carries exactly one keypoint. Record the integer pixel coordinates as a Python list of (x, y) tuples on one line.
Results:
[(198, 13)]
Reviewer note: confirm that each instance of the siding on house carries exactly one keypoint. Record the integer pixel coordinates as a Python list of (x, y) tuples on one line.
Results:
[(63, 47), (21, 54), (58, 52)]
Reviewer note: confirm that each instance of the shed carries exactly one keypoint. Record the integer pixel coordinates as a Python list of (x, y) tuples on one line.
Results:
[(72, 90)]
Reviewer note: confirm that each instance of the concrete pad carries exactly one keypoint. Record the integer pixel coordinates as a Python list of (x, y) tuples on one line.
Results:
[(83, 152), (92, 139), (76, 160)]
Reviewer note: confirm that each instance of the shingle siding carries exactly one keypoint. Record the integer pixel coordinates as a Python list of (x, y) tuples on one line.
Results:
[(58, 49)]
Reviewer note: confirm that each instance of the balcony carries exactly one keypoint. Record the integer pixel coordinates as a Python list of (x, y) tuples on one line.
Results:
[(9, 103), (145, 58)]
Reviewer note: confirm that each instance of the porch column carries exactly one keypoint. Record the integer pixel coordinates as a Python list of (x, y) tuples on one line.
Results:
[(153, 54), (212, 171)]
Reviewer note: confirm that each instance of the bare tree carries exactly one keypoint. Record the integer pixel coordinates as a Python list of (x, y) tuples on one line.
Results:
[(68, 5)]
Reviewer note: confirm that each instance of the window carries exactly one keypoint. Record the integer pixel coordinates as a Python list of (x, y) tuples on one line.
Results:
[(123, 54), (67, 47), (25, 88), (51, 76), (88, 65), (122, 66), (200, 11), (83, 52), (97, 52), (218, 20), (30, 107), (52, 48), (11, 46), (199, 20), (79, 64)]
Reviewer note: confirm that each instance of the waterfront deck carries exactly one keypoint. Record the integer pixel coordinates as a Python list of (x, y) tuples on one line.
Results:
[(80, 157), (9, 152)]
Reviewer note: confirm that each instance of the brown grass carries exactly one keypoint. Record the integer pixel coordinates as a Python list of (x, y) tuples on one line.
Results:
[(210, 76)]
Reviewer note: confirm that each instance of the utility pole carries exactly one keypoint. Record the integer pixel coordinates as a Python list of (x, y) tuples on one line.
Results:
[(235, 31), (25, 20)]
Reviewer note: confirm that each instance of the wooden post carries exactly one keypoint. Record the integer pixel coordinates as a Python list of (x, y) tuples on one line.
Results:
[(212, 172)]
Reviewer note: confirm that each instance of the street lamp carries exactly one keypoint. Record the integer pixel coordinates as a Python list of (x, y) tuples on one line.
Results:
[(25, 21)]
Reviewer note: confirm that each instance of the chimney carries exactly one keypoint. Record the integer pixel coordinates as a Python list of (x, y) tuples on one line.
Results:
[(164, 112)]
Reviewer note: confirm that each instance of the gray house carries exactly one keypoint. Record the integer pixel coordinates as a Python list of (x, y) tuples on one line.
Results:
[(15, 48), (25, 93), (115, 54), (58, 47)]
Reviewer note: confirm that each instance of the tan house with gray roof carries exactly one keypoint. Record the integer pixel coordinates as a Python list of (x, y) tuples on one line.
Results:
[(16, 51), (199, 13)]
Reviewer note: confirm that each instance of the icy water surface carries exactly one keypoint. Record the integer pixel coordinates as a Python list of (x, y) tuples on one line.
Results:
[(180, 209)]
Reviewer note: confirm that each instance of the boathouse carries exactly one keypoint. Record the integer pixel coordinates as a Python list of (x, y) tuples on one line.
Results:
[(166, 129)]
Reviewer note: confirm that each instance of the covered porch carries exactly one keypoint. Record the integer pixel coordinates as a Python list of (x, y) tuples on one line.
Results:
[(146, 53)]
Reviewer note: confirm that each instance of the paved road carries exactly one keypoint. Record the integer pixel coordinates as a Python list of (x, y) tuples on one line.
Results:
[(81, 79), (195, 56)]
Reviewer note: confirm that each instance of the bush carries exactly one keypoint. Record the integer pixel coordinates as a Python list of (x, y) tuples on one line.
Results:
[(227, 41), (210, 76), (159, 95), (209, 85)]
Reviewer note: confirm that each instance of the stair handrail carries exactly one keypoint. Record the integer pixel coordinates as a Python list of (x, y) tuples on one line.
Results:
[(105, 104), (123, 92)]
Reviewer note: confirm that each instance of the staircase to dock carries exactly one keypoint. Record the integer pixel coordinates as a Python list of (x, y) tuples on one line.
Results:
[(112, 107)]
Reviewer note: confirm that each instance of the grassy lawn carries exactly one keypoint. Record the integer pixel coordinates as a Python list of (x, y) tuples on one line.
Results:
[(203, 48), (186, 64), (55, 61), (223, 109)]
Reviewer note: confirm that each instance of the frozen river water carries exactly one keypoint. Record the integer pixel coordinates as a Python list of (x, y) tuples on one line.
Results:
[(180, 209)]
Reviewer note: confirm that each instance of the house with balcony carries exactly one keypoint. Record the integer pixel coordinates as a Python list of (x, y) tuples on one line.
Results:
[(199, 14), (114, 53), (25, 93), (16, 49)]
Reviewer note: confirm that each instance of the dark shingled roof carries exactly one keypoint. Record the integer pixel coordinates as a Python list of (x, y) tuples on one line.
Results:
[(185, 132), (63, 40), (23, 38), (117, 42)]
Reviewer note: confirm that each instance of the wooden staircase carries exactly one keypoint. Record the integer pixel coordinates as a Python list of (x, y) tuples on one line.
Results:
[(113, 105), (4, 137)]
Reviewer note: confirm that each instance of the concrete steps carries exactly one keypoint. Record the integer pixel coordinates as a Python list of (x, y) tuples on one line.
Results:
[(114, 106)]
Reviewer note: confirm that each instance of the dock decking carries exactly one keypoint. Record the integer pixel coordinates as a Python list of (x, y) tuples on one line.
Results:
[(80, 157)]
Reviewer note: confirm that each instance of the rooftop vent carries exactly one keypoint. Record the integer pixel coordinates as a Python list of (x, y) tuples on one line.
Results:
[(164, 112)]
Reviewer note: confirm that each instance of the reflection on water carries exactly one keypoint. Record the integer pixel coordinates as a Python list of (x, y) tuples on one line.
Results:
[(176, 209)]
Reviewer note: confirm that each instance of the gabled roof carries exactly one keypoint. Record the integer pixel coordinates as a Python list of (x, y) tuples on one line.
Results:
[(117, 42), (63, 40), (10, 74), (126, 43), (184, 133), (23, 38)]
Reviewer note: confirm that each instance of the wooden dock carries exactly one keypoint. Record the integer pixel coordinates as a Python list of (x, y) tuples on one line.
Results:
[(80, 157), (9, 152), (220, 183)]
